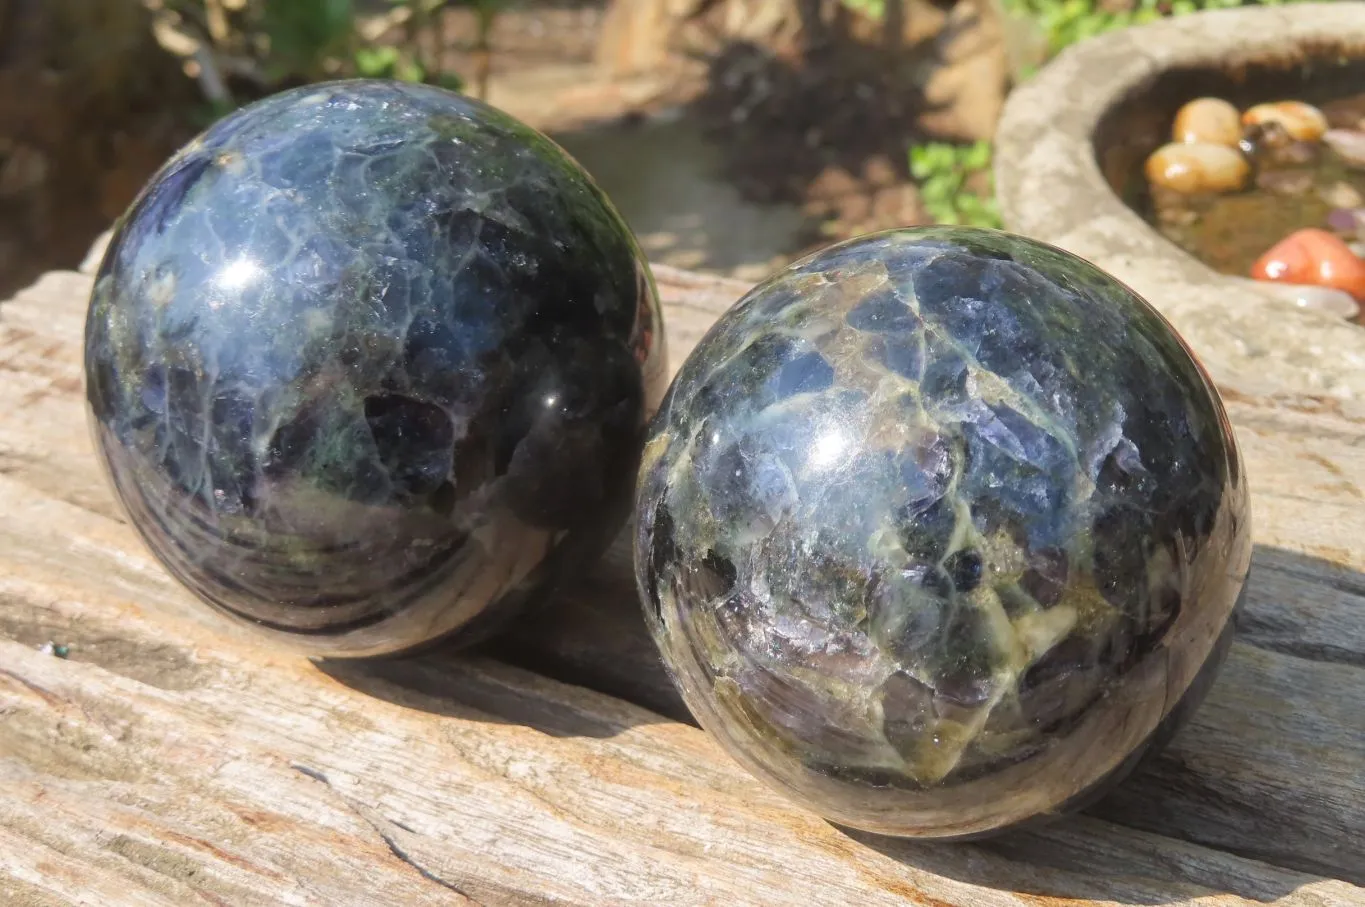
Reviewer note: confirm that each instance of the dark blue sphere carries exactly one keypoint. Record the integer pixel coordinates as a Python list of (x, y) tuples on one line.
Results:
[(369, 365), (941, 531)]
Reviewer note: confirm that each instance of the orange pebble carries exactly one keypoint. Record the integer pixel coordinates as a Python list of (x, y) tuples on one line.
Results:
[(1303, 122), (1316, 258), (1195, 167)]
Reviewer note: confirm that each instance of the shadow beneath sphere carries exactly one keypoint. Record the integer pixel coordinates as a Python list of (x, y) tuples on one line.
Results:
[(1081, 858), (590, 637), (1258, 796)]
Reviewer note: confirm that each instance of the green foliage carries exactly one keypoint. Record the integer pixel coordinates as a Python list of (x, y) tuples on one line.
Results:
[(873, 9), (304, 35), (946, 174), (388, 62), (1065, 22), (280, 42)]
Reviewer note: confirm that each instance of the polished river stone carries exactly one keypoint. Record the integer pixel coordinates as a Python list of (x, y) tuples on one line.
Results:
[(940, 531), (370, 364)]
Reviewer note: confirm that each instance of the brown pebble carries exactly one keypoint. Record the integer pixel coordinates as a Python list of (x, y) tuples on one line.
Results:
[(1210, 120), (1196, 167), (1303, 122)]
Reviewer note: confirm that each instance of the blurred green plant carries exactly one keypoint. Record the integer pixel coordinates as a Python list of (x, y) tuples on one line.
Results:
[(873, 9), (955, 183), (254, 47), (1065, 22), (306, 39)]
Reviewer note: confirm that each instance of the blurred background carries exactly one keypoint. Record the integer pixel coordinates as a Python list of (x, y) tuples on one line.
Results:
[(733, 134)]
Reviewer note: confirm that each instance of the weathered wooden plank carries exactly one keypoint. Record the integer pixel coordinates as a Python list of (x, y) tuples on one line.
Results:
[(1221, 782), (507, 786), (166, 844), (33, 874), (521, 783), (488, 778)]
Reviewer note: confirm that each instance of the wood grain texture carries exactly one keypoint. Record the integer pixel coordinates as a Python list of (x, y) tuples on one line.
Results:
[(173, 759)]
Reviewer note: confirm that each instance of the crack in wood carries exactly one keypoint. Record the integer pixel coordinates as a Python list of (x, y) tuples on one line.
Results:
[(403, 855), (363, 814), (312, 773)]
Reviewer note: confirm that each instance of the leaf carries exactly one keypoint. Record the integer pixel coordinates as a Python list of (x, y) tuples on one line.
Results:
[(408, 70), (376, 62), (978, 156), (448, 80), (872, 9)]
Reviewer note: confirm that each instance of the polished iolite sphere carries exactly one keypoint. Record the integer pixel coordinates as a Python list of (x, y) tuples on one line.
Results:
[(940, 531), (370, 364)]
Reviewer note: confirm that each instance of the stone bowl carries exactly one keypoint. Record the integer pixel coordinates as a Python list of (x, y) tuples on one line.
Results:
[(1071, 136)]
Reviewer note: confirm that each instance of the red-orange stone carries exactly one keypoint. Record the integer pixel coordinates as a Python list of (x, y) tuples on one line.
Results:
[(1313, 257)]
